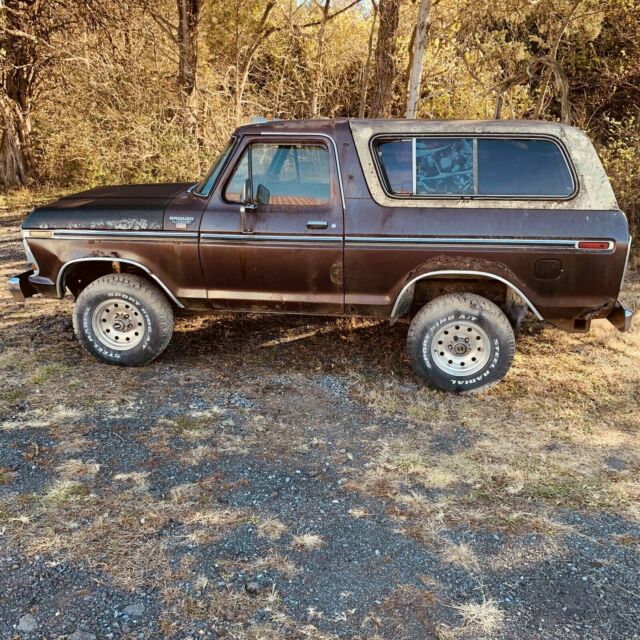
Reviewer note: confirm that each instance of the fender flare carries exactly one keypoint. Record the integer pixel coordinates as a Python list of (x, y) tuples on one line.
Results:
[(405, 297), (60, 286)]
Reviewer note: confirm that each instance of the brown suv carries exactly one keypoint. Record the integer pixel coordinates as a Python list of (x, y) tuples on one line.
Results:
[(464, 225)]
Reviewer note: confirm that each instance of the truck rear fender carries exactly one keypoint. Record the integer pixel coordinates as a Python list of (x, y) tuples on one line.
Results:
[(404, 300)]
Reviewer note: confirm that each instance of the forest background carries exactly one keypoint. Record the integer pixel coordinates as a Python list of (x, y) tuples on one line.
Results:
[(105, 91)]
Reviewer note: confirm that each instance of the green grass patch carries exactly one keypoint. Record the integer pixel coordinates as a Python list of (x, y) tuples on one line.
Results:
[(48, 372), (13, 395), (66, 491)]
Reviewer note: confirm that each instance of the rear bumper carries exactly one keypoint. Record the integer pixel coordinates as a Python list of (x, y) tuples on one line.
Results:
[(621, 316), (20, 287)]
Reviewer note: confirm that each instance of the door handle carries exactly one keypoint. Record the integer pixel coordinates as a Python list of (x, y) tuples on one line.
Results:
[(317, 224)]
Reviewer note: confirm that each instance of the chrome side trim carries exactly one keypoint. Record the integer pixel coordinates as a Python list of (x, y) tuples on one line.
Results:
[(453, 272), (470, 241), (414, 167), (193, 192), (60, 288), (114, 233), (257, 237), (192, 235), (303, 134)]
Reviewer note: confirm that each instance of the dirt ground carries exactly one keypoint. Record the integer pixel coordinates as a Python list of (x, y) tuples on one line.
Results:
[(287, 477)]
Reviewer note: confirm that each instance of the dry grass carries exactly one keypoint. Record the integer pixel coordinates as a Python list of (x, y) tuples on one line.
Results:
[(307, 541), (276, 562), (461, 555), (119, 533), (272, 528), (75, 469), (484, 617)]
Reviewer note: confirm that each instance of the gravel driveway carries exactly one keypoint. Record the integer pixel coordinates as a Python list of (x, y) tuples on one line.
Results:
[(287, 477)]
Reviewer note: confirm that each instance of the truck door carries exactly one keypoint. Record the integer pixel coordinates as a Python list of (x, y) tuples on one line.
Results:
[(271, 238)]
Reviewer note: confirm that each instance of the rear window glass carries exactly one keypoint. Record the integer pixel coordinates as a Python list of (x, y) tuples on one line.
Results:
[(522, 168), (468, 167)]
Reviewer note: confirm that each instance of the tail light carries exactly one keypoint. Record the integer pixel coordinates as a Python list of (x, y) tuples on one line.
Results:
[(595, 245)]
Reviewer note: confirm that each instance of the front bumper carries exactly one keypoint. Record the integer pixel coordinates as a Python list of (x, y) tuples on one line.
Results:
[(20, 287), (620, 316)]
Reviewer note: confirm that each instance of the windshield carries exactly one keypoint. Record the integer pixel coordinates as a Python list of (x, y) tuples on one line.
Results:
[(204, 187)]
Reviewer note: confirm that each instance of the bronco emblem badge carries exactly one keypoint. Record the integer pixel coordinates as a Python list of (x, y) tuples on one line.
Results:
[(181, 222)]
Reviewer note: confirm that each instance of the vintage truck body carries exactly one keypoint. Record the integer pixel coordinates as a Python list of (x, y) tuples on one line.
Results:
[(357, 217)]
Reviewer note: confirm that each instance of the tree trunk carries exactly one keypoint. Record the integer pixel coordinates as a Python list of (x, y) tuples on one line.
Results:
[(389, 11), (417, 58), (317, 80), (188, 11), (243, 61), (554, 55), (16, 160), (364, 86), (16, 156)]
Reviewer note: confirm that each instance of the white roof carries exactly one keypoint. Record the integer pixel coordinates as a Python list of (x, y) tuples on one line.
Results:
[(594, 190)]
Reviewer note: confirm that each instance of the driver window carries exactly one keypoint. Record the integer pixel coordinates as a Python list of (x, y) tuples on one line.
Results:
[(283, 174)]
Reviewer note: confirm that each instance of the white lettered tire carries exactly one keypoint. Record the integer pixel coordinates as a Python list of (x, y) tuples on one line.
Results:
[(123, 319), (461, 342)]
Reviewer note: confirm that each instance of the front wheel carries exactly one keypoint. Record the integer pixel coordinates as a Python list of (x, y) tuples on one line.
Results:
[(123, 319), (461, 342)]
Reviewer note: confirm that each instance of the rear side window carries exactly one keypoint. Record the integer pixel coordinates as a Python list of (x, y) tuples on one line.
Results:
[(396, 160), (444, 166), (522, 168), (474, 167)]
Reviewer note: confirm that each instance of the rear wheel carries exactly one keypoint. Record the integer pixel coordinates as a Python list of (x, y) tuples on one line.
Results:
[(461, 342), (123, 319)]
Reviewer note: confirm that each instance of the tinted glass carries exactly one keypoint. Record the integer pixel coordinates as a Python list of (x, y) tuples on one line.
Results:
[(444, 166), (289, 174), (396, 161), (209, 180), (522, 168)]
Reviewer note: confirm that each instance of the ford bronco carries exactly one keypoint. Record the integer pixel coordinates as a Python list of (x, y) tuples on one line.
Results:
[(464, 226)]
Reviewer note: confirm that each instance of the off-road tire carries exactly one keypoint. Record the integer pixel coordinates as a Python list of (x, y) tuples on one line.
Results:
[(471, 322), (144, 306)]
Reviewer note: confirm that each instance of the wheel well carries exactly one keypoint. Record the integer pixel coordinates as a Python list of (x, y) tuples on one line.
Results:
[(79, 275), (494, 288), (430, 288)]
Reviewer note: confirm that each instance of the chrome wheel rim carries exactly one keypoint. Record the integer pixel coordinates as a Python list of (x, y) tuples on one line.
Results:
[(460, 348), (118, 324)]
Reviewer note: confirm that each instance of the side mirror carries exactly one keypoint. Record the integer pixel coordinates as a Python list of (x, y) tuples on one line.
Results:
[(263, 195), (245, 192)]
